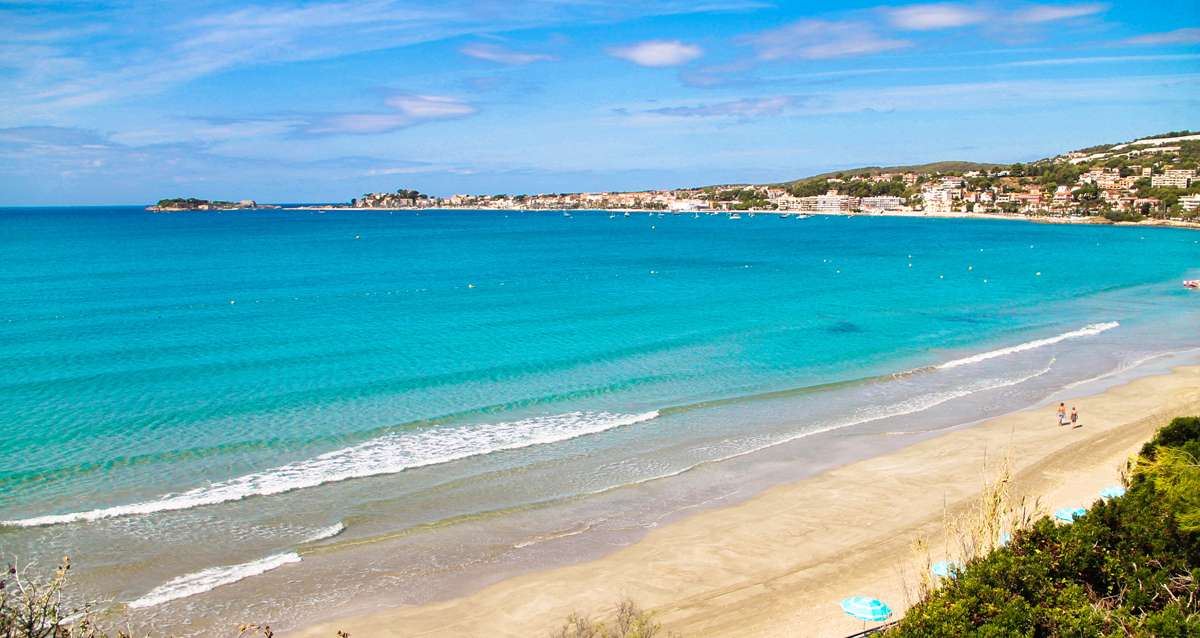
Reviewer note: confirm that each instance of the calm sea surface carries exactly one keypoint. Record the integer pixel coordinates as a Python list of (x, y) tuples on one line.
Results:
[(215, 412)]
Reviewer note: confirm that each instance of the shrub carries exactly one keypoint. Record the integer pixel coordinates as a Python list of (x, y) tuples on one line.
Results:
[(1129, 567), (630, 622)]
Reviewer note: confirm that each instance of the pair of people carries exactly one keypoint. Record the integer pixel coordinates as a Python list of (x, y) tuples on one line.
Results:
[(1062, 415)]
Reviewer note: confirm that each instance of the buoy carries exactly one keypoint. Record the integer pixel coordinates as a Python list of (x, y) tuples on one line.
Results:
[(470, 285), (1038, 273), (970, 268), (357, 237), (231, 302), (941, 276), (910, 265)]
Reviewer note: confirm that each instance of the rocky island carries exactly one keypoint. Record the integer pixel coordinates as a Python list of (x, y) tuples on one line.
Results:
[(191, 203)]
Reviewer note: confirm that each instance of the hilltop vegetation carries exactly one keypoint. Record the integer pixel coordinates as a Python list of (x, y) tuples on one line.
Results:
[(920, 169)]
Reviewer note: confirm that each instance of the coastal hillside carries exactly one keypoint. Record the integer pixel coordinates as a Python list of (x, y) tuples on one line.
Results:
[(1151, 178), (950, 166)]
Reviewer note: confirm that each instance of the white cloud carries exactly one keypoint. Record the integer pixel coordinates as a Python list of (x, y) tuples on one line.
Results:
[(821, 39), (1178, 36), (147, 48), (928, 17), (407, 110), (1052, 13), (928, 98), (743, 109), (495, 53), (430, 107), (658, 53)]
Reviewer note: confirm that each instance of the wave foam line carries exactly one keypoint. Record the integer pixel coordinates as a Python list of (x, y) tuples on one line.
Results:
[(1125, 367), (211, 578), (388, 454), (1086, 331), (903, 408), (324, 533)]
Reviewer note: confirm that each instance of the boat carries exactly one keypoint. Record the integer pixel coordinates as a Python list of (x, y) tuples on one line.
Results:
[(735, 216), (1194, 284), (802, 216)]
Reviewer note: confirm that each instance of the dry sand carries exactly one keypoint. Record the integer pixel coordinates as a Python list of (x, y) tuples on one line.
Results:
[(778, 564)]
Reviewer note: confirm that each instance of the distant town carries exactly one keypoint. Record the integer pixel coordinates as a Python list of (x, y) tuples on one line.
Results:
[(1154, 177)]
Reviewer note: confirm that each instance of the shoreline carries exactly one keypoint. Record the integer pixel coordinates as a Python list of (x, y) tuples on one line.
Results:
[(1019, 217), (779, 561)]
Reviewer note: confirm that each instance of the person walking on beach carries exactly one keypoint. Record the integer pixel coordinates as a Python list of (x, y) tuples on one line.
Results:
[(1074, 417), (1062, 413)]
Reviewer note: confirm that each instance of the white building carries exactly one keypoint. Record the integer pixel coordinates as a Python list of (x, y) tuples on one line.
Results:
[(1178, 178), (1190, 202), (882, 202), (938, 200)]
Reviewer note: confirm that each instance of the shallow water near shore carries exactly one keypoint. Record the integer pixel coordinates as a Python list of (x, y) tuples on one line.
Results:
[(274, 416)]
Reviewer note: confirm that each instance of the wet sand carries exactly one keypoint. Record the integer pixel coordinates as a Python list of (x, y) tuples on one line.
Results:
[(778, 564)]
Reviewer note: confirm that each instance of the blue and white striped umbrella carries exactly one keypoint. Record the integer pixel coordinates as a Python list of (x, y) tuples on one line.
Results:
[(1069, 514), (866, 608), (1112, 492), (943, 569)]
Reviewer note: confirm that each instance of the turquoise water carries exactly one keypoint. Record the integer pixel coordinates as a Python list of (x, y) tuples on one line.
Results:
[(246, 382)]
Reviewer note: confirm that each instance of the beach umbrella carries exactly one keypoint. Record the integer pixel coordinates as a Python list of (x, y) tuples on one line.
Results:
[(1112, 492), (943, 569), (1069, 514), (867, 608)]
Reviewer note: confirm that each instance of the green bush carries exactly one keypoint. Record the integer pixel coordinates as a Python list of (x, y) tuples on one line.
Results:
[(1129, 567)]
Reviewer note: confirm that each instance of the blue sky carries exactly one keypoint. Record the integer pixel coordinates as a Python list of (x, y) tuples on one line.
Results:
[(127, 102)]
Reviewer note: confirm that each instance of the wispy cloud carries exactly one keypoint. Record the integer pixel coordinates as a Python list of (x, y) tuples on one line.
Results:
[(922, 98), (821, 39), (81, 157), (744, 109), (151, 47), (502, 55), (1189, 35), (929, 17), (406, 110), (1051, 13), (658, 53)]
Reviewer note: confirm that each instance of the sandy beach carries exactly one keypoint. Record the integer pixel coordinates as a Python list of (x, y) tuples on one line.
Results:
[(777, 564)]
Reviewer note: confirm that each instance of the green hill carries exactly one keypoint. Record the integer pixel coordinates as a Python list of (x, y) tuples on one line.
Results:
[(932, 167)]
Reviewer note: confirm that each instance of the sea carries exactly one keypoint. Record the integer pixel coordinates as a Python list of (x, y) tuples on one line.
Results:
[(279, 416)]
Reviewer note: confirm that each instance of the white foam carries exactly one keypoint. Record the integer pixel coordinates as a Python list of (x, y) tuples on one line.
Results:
[(1086, 331), (211, 578), (903, 408), (388, 454), (324, 533), (1127, 366)]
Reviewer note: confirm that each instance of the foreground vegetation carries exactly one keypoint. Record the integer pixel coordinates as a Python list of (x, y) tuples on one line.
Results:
[(1129, 567)]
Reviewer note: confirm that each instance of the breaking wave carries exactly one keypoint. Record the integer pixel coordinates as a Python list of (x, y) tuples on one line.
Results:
[(1086, 331), (211, 578), (388, 454)]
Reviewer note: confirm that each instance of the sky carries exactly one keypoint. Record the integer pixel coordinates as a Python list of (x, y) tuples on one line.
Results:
[(127, 102)]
